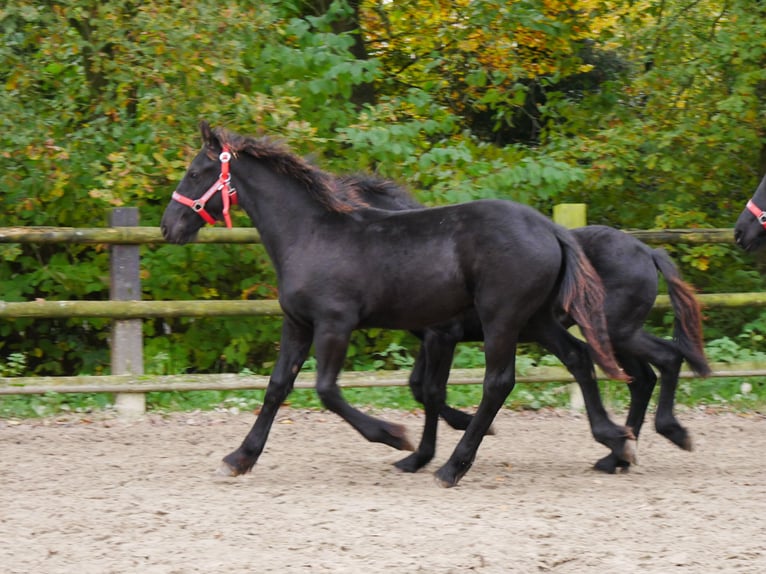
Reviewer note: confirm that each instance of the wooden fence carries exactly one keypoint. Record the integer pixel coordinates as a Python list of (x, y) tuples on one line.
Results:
[(127, 310)]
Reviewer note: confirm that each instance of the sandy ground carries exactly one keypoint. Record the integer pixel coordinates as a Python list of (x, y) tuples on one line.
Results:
[(112, 496)]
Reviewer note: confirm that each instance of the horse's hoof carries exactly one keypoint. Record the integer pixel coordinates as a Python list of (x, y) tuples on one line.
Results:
[(605, 465), (396, 436), (630, 452), (687, 444), (610, 463), (227, 470), (443, 483), (447, 478), (413, 462)]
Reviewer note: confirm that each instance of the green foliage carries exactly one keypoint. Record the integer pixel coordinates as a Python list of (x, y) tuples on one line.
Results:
[(25, 406), (13, 366), (726, 350)]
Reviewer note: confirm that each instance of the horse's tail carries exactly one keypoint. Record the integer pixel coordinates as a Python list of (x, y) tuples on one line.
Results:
[(687, 323), (581, 295)]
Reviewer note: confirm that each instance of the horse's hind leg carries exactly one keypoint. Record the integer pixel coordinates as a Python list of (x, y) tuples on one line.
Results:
[(641, 386), (330, 345), (668, 360), (294, 347), (576, 358)]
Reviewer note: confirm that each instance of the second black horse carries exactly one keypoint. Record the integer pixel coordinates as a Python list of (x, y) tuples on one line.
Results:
[(628, 269)]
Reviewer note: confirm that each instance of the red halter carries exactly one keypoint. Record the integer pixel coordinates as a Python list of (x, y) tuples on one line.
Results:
[(758, 212), (222, 184)]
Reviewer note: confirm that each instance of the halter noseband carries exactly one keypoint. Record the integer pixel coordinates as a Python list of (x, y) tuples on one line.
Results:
[(222, 184), (760, 215)]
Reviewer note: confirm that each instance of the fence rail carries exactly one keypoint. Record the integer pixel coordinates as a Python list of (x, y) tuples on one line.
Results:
[(123, 311), (236, 382), (141, 235), (264, 307)]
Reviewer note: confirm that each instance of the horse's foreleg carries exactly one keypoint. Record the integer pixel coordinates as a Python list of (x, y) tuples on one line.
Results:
[(455, 418), (330, 346), (294, 347), (432, 371)]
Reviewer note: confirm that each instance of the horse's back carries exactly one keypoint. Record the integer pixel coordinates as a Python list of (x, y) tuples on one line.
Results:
[(415, 268), (616, 255), (627, 270), (496, 237)]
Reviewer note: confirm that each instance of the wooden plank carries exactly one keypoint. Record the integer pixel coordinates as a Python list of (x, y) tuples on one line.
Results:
[(356, 379), (127, 342), (239, 308), (153, 235), (690, 236), (119, 235), (138, 309)]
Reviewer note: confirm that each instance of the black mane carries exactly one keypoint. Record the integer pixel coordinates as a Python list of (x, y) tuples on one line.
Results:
[(324, 187), (378, 192)]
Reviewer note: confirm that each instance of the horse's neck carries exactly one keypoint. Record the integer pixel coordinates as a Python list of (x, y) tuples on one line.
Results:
[(280, 208)]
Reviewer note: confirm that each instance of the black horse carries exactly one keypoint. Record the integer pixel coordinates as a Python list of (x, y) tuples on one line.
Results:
[(342, 266), (628, 269), (750, 230)]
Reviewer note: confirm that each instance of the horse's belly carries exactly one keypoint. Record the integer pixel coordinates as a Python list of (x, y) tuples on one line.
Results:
[(407, 309)]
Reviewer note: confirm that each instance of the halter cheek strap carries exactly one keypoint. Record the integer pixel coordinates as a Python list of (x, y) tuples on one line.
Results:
[(758, 212), (222, 184)]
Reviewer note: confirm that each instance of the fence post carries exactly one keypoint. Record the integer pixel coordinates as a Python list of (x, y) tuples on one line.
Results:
[(572, 215), (127, 352)]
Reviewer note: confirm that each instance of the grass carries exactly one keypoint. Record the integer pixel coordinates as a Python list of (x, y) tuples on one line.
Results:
[(735, 394)]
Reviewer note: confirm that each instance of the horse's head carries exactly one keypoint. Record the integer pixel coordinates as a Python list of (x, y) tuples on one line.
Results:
[(204, 194), (750, 230)]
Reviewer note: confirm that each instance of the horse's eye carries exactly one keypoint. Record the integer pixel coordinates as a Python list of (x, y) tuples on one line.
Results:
[(193, 174)]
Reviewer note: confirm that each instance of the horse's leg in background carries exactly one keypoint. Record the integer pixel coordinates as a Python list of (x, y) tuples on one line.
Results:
[(499, 380), (294, 348), (455, 418), (668, 360), (576, 358), (665, 421), (330, 345), (641, 387), (429, 386), (638, 353)]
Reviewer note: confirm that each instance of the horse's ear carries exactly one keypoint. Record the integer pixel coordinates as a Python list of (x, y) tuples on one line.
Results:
[(208, 137)]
